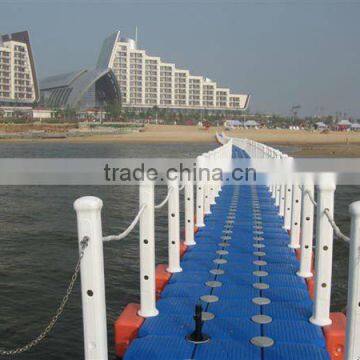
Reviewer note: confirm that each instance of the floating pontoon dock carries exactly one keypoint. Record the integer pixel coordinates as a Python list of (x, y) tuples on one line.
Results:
[(243, 287)]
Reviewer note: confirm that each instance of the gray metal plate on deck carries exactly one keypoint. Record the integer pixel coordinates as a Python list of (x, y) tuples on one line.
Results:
[(261, 286), (258, 238), (261, 319), (259, 246), (219, 261), (217, 271), (222, 252), (259, 253), (209, 298), (261, 301), (224, 244), (206, 316), (213, 283), (259, 262), (262, 341), (260, 273)]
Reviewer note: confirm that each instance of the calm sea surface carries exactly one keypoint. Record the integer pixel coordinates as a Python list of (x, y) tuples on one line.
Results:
[(38, 247)]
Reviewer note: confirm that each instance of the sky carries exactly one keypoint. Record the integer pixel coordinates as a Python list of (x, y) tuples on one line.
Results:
[(283, 53)]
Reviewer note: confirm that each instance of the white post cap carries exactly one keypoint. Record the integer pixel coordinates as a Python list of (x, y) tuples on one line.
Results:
[(87, 203), (354, 208)]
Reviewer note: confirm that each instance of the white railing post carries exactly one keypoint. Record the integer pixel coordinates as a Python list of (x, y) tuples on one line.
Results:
[(207, 186), (228, 159), (307, 229), (352, 350), (200, 191), (324, 253), (189, 212), (218, 166), (295, 217), (212, 183), (88, 211), (147, 251), (277, 195), (288, 206), (174, 224), (282, 200)]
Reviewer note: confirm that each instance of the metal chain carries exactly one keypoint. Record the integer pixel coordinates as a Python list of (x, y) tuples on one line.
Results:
[(83, 245), (337, 230)]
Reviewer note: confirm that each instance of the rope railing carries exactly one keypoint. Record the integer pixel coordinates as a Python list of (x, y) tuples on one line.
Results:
[(128, 230), (331, 220), (311, 198), (159, 206), (336, 229)]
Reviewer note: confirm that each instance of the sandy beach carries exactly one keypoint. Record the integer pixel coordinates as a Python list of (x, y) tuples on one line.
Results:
[(305, 143)]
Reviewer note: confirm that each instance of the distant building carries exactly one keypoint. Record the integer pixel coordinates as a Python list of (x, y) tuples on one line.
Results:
[(42, 114), (146, 81), (320, 125), (355, 127), (231, 124), (251, 124), (343, 125), (80, 89), (18, 83)]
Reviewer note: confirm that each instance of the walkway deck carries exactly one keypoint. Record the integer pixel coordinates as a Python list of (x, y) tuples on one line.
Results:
[(241, 257)]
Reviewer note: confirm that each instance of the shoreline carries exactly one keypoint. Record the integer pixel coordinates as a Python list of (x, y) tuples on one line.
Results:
[(305, 143)]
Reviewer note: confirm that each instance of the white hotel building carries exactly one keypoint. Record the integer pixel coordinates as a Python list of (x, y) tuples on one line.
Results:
[(18, 84), (146, 81)]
